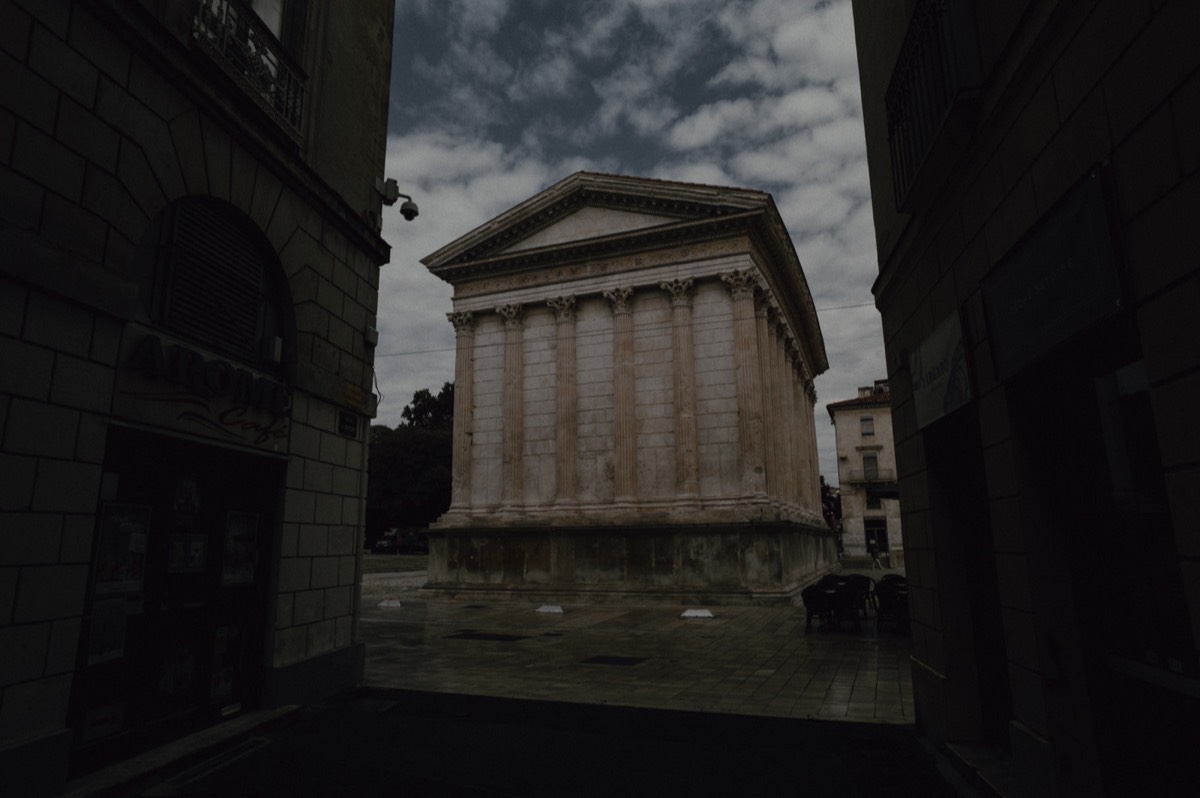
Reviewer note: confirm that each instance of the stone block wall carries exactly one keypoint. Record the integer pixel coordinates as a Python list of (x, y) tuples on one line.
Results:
[(321, 536), (716, 389), (103, 126), (55, 389), (487, 437), (654, 407), (594, 383), (1073, 87)]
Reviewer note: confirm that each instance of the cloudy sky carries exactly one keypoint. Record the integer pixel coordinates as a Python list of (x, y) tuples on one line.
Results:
[(494, 100)]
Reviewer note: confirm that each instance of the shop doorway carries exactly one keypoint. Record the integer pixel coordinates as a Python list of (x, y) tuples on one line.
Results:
[(875, 534), (173, 636)]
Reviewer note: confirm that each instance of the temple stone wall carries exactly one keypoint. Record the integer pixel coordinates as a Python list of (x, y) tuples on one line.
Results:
[(633, 399)]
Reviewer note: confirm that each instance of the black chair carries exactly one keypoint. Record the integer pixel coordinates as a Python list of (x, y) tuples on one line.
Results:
[(865, 586), (831, 600), (892, 596)]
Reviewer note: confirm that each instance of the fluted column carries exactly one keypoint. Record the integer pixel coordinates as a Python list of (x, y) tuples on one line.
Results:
[(687, 482), (566, 417), (809, 396), (625, 423), (807, 475), (741, 285), (770, 409), (464, 391), (795, 432), (512, 471)]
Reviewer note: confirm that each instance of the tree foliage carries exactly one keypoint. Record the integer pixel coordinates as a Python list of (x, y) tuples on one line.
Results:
[(427, 411), (408, 482)]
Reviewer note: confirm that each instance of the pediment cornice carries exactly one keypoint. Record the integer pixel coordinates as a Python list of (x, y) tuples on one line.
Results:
[(673, 202)]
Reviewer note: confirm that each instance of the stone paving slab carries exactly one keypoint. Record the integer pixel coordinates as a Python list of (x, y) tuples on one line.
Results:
[(745, 660)]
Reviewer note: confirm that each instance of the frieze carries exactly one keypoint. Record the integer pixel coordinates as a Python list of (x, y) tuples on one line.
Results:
[(585, 268)]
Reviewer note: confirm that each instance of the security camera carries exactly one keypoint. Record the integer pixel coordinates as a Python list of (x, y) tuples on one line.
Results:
[(408, 210)]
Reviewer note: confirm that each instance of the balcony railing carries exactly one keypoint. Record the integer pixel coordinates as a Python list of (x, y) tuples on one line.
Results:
[(251, 54), (862, 475), (938, 65)]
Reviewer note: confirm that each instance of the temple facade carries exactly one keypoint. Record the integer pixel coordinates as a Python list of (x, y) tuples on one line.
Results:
[(633, 397)]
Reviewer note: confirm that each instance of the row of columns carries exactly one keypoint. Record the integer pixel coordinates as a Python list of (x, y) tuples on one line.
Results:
[(772, 387)]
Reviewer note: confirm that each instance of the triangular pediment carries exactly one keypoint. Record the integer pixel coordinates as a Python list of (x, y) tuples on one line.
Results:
[(589, 206), (589, 222)]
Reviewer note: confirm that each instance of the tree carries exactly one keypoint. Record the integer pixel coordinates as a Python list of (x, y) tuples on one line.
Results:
[(408, 469), (427, 411)]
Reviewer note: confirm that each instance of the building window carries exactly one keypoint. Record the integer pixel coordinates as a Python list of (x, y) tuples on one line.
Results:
[(254, 43), (219, 284), (938, 66), (874, 501), (870, 467), (867, 426)]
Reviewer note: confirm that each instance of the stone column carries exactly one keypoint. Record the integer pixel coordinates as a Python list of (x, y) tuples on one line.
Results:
[(566, 402), (625, 423), (784, 409), (808, 494), (813, 484), (741, 285), (464, 398), (772, 418), (512, 472), (687, 481)]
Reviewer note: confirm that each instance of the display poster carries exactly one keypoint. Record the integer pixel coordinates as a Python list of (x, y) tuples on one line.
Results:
[(121, 550), (106, 634), (940, 383), (227, 644), (188, 553), (241, 543)]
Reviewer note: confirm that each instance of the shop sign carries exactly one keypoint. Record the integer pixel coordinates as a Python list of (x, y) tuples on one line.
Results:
[(1062, 280), (173, 385), (940, 383)]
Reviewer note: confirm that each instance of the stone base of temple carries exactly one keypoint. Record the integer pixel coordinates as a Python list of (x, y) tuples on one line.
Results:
[(755, 563)]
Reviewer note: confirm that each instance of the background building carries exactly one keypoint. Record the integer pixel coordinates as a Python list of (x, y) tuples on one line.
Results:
[(866, 457), (1034, 177), (190, 227), (633, 397)]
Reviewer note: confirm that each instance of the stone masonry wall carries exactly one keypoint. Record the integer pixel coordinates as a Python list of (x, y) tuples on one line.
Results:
[(95, 141)]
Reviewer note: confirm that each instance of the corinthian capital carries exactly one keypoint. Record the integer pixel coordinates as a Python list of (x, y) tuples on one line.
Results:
[(563, 307), (680, 291), (621, 299), (463, 321), (514, 315), (741, 282)]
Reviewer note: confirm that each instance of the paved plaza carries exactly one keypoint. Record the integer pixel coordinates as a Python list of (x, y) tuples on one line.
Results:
[(493, 698), (744, 660)]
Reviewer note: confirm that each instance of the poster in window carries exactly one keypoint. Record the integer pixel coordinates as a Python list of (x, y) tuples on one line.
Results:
[(187, 554), (121, 551), (241, 543), (106, 634)]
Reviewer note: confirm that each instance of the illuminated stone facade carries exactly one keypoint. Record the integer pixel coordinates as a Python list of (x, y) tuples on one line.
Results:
[(634, 398)]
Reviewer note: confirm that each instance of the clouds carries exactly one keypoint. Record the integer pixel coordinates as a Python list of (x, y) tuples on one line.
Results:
[(493, 101)]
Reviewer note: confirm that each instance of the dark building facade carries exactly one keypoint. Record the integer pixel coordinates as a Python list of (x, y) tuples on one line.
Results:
[(188, 290), (1034, 181)]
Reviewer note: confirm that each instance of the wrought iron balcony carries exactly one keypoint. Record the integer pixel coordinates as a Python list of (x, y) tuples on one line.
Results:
[(938, 66), (250, 53), (858, 476)]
